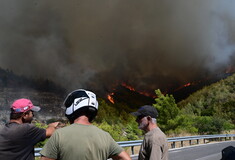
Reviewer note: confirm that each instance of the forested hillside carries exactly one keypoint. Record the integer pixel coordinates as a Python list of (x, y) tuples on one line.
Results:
[(213, 107), (210, 110)]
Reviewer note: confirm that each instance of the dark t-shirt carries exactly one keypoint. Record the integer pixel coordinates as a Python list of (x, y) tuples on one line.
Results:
[(17, 141)]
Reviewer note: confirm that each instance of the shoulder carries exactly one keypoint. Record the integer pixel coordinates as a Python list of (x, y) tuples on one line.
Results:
[(76, 127), (33, 130), (23, 126), (156, 136), (156, 132), (24, 129), (159, 137), (101, 131), (31, 126), (97, 130)]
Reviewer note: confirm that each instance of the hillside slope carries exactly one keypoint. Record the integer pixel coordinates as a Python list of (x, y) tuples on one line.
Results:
[(217, 99)]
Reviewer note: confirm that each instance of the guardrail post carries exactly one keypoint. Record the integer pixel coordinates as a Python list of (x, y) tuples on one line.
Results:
[(173, 145), (190, 142), (182, 143), (132, 150), (197, 141)]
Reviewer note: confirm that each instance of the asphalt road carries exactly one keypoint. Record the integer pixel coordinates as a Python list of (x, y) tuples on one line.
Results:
[(198, 152)]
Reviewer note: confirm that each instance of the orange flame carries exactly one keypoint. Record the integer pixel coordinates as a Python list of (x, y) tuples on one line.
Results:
[(188, 84), (185, 85), (127, 86), (140, 92), (110, 98), (147, 94), (110, 95)]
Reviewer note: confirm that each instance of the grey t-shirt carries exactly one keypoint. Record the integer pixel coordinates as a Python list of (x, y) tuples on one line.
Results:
[(154, 146), (84, 142), (17, 141)]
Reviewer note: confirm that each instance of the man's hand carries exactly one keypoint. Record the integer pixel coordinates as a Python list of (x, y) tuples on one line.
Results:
[(55, 124), (51, 128), (45, 158)]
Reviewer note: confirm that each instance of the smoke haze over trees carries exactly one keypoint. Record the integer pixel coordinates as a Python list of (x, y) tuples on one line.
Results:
[(96, 44)]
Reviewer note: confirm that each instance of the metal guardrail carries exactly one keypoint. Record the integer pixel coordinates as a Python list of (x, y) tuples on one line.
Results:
[(191, 140)]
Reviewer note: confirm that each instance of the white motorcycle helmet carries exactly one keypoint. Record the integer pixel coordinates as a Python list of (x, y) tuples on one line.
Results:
[(80, 102)]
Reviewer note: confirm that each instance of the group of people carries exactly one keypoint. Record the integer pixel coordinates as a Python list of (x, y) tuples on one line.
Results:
[(80, 140)]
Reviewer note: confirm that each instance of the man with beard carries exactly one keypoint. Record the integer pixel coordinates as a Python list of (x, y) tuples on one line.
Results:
[(154, 146), (18, 137)]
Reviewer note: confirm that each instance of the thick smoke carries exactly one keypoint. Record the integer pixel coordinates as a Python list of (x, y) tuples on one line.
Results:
[(97, 44)]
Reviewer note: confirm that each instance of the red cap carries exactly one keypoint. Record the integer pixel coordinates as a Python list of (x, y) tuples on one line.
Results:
[(24, 105)]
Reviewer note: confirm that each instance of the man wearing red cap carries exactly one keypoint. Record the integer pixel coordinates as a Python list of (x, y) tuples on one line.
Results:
[(18, 137)]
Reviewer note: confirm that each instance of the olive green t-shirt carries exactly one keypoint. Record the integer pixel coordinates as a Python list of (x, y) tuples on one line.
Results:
[(83, 142)]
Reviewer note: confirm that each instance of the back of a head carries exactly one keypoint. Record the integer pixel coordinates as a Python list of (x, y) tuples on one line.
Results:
[(228, 153), (81, 102)]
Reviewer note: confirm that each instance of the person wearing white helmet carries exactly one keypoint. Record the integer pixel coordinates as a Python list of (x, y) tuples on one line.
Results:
[(81, 139)]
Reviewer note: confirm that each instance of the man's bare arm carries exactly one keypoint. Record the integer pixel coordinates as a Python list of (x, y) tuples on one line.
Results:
[(121, 156), (51, 128)]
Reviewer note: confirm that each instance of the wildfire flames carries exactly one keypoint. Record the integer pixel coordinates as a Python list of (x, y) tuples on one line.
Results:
[(187, 85), (140, 92), (123, 84), (110, 97), (128, 87)]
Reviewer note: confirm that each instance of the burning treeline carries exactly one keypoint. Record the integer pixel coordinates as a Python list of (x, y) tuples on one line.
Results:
[(110, 95), (179, 93), (92, 44)]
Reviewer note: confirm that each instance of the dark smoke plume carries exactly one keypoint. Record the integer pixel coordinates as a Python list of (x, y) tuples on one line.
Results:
[(97, 44)]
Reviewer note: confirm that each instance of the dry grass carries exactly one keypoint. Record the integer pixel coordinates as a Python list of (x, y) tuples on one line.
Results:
[(229, 132), (136, 150)]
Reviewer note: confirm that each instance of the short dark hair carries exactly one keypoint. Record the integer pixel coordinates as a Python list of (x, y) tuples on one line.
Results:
[(89, 112), (14, 115)]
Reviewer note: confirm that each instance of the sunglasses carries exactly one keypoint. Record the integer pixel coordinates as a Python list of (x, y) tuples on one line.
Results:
[(139, 118)]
